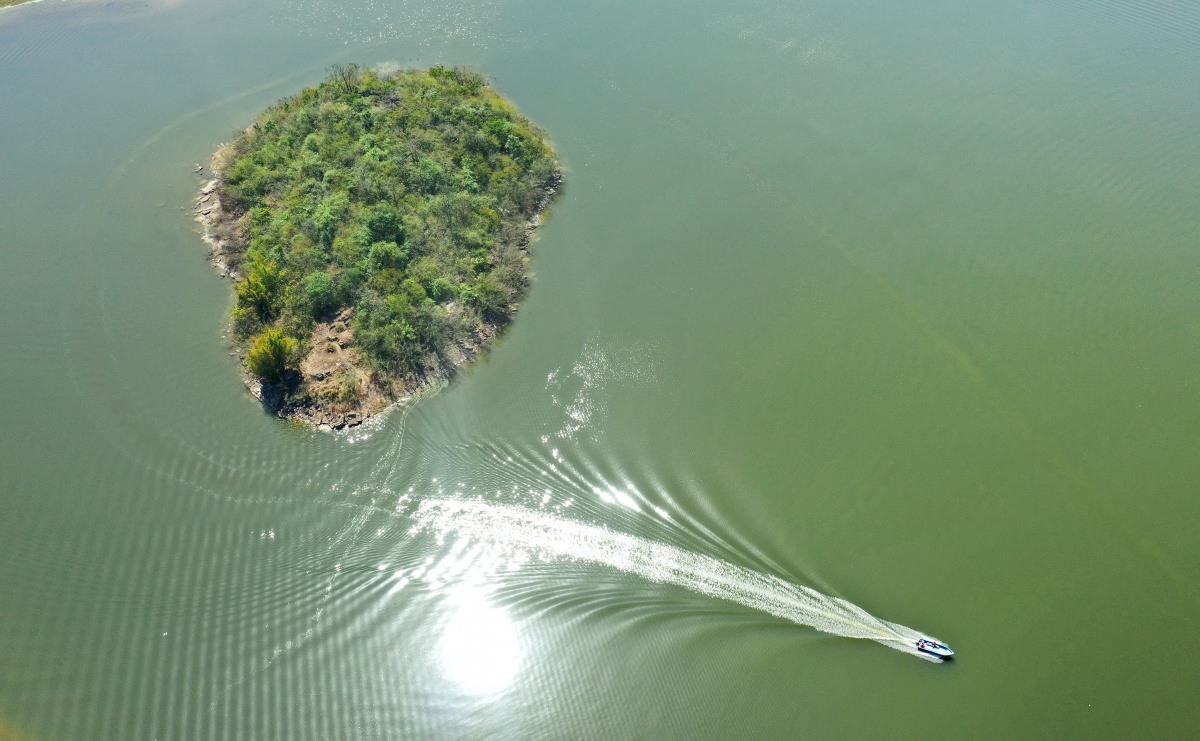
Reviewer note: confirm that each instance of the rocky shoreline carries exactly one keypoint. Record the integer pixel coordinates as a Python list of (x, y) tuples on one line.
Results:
[(5, 4), (332, 362)]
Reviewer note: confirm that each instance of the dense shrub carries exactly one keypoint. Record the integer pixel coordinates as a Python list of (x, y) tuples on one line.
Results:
[(403, 195), (272, 355)]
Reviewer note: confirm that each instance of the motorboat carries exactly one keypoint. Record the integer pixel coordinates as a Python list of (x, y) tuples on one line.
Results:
[(933, 648)]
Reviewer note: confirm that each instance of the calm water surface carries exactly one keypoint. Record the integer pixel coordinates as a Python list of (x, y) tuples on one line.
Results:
[(895, 301)]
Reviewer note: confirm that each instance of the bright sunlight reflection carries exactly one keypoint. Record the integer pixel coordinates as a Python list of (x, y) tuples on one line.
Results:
[(479, 648)]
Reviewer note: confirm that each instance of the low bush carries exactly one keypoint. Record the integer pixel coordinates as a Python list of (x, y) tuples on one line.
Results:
[(272, 356)]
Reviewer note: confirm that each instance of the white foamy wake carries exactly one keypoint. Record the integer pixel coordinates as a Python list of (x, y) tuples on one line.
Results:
[(512, 535)]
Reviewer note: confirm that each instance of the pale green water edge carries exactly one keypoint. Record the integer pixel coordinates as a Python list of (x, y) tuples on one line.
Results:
[(896, 301)]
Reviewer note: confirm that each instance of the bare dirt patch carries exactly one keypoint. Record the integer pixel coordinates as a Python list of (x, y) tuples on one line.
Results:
[(340, 391)]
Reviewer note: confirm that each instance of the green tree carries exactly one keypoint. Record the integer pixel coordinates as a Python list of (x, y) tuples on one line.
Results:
[(272, 354), (385, 223), (322, 292), (428, 176), (384, 255), (329, 214), (487, 295), (257, 290)]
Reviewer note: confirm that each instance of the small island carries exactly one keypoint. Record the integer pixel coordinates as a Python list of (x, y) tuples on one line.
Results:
[(376, 227)]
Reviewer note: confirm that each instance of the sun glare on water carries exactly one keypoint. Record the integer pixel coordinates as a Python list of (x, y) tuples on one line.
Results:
[(479, 647)]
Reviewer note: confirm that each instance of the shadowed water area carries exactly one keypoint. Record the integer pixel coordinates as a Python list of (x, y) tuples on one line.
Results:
[(849, 317)]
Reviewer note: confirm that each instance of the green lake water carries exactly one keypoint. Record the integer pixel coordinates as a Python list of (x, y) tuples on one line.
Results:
[(894, 301)]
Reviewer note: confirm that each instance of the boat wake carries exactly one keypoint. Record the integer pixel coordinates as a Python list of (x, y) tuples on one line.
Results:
[(507, 536)]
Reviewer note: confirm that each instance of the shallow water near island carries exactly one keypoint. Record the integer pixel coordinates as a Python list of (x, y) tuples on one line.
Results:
[(848, 317)]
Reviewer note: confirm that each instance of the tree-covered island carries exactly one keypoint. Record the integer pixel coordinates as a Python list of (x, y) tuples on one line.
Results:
[(376, 228)]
